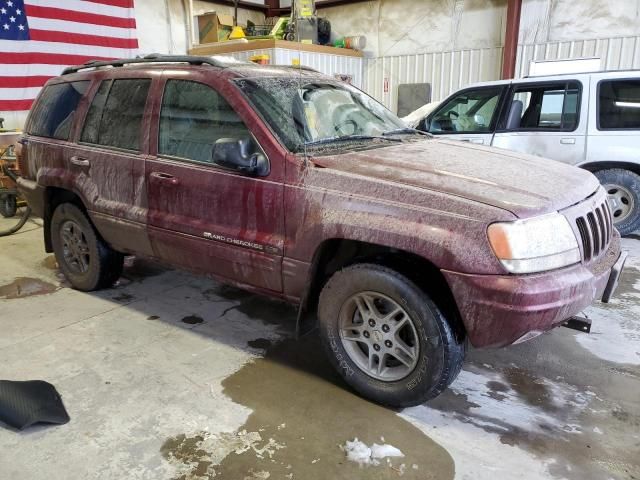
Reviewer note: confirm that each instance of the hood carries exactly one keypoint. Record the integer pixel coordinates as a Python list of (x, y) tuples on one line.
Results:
[(523, 184)]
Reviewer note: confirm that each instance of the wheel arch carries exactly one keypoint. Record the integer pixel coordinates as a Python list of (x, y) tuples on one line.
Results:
[(337, 253), (606, 165)]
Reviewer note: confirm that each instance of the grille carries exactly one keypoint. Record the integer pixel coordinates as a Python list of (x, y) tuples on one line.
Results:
[(596, 228)]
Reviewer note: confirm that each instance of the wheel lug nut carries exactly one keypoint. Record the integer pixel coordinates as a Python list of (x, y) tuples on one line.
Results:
[(388, 343), (372, 323), (366, 334), (376, 347), (385, 328)]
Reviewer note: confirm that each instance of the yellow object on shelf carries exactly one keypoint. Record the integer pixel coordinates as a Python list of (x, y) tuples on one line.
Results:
[(236, 33), (260, 59), (295, 61)]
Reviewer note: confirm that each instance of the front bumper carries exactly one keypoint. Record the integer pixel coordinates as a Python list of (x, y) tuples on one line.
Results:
[(499, 310)]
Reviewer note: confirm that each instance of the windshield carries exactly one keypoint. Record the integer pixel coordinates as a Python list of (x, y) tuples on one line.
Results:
[(318, 112)]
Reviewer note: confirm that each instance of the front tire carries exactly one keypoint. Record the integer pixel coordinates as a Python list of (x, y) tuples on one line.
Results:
[(386, 337), (84, 258), (623, 189)]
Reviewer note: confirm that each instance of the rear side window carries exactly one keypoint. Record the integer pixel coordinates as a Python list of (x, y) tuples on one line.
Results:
[(547, 107), (116, 112), (619, 105), (193, 118), (53, 114)]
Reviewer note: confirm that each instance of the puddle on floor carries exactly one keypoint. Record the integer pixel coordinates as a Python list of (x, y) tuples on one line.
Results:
[(26, 287), (302, 413), (192, 320)]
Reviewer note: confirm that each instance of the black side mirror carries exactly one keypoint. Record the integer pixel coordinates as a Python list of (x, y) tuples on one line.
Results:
[(239, 154)]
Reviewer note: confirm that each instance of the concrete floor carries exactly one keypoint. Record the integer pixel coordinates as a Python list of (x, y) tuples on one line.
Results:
[(172, 376)]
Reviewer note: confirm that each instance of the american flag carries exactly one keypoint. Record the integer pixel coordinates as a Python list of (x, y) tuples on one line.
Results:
[(38, 38)]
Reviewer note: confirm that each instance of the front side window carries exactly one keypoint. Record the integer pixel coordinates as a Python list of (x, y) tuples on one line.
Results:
[(116, 112), (193, 118), (619, 105), (548, 107), (468, 112), (53, 114)]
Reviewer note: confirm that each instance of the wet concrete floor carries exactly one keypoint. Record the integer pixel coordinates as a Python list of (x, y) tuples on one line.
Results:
[(171, 376)]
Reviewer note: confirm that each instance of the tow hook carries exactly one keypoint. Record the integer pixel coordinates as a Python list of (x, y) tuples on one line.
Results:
[(581, 324)]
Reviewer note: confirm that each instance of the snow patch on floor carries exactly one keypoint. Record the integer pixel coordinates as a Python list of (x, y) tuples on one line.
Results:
[(359, 452)]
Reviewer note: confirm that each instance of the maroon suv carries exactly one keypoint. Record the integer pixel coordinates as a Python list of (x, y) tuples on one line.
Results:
[(290, 183)]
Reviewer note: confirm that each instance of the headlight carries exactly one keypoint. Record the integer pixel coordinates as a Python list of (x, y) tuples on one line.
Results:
[(534, 245)]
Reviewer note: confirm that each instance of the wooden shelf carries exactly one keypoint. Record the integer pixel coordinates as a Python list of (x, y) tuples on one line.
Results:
[(220, 48)]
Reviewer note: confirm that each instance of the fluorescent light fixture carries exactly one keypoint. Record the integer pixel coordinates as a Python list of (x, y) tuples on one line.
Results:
[(628, 104)]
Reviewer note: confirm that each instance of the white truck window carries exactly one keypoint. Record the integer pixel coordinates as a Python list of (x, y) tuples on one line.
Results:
[(549, 107), (619, 105)]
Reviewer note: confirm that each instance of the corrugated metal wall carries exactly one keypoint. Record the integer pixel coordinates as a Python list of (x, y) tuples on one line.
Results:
[(445, 71), (450, 71), (616, 53)]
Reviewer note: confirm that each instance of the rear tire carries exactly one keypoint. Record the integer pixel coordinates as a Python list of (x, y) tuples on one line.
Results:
[(8, 205), (84, 258), (421, 358), (623, 189)]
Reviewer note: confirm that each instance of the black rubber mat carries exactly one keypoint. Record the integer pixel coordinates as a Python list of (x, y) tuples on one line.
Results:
[(23, 404)]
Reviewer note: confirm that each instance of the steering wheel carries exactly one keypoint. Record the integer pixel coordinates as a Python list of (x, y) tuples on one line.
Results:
[(453, 113), (341, 125)]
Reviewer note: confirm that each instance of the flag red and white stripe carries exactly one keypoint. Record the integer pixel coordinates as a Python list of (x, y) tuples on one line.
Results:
[(62, 33)]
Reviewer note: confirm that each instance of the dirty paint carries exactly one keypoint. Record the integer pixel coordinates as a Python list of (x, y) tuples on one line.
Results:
[(302, 413), (26, 287)]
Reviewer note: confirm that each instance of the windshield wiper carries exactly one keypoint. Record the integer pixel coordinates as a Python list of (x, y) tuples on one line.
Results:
[(405, 130), (346, 138)]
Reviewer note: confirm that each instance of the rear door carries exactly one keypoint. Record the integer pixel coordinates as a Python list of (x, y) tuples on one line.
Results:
[(202, 215), (545, 120), (470, 115), (107, 163)]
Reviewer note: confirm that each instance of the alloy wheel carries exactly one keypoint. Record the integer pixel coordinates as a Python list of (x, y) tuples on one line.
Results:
[(75, 247), (379, 336)]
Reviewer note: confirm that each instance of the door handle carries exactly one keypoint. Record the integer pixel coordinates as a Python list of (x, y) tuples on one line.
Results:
[(79, 161), (568, 141), (165, 178)]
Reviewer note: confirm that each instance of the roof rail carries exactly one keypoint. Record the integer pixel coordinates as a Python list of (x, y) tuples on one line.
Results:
[(155, 58)]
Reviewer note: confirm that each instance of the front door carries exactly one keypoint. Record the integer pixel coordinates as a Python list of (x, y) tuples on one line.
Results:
[(544, 120), (204, 215), (469, 115)]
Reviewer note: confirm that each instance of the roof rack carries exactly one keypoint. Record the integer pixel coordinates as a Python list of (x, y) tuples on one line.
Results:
[(155, 58)]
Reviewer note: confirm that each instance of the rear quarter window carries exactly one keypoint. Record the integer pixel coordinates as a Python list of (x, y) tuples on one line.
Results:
[(53, 114), (619, 105)]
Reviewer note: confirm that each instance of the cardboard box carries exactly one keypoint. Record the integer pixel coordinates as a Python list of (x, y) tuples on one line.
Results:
[(214, 27)]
